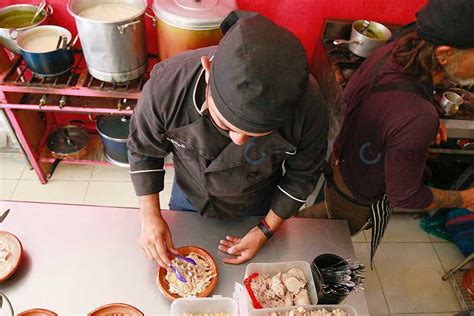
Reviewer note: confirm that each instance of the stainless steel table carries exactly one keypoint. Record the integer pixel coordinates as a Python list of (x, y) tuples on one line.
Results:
[(81, 257)]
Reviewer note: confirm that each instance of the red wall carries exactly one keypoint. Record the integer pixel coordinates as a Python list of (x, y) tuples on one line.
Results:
[(305, 18)]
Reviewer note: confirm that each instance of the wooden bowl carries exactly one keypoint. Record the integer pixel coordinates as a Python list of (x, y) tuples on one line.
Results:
[(12, 238), (37, 312), (184, 251), (116, 309)]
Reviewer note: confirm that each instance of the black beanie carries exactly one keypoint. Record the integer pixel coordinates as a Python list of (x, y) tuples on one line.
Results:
[(447, 22), (259, 70)]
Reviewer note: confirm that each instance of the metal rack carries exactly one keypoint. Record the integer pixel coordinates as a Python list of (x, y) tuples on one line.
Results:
[(31, 104)]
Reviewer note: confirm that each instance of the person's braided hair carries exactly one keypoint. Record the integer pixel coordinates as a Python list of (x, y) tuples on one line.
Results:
[(417, 57)]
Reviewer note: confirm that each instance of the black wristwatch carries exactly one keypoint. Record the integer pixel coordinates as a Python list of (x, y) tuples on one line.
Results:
[(265, 229)]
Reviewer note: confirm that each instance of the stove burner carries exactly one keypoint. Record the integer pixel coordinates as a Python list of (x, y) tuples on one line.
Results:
[(20, 75)]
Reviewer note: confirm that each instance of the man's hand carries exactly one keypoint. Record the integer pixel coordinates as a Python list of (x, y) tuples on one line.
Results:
[(442, 135), (468, 199), (247, 247), (155, 236), (244, 248)]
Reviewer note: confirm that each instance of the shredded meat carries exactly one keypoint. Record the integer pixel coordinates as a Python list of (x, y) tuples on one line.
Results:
[(281, 289)]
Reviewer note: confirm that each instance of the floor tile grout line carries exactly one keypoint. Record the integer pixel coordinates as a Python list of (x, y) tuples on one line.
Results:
[(446, 269), (380, 282), (14, 189), (85, 194)]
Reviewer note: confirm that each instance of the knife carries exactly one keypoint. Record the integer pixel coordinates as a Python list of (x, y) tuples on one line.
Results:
[(3, 216)]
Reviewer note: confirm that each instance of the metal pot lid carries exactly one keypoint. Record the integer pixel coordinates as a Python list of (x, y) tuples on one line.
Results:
[(113, 126), (193, 14), (68, 140)]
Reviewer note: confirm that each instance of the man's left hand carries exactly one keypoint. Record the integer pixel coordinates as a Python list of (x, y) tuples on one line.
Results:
[(243, 249)]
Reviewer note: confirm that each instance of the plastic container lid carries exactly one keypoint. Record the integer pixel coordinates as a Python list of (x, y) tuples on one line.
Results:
[(204, 305), (193, 14)]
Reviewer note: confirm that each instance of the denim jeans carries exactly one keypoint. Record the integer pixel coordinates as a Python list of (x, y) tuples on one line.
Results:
[(179, 201)]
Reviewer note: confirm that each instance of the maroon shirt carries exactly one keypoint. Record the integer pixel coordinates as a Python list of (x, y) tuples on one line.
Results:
[(385, 148)]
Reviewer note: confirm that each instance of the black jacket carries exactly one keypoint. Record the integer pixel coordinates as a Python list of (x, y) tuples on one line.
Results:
[(220, 178)]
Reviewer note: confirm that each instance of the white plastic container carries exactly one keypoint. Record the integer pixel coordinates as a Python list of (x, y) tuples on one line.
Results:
[(203, 305), (265, 312), (274, 268)]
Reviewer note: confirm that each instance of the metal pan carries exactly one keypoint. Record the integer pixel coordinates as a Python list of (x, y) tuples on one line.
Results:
[(68, 142), (366, 36)]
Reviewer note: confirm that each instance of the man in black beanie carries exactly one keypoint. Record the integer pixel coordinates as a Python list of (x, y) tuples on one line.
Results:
[(392, 118), (247, 128)]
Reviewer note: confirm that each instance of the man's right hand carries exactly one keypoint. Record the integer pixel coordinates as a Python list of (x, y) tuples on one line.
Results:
[(155, 236)]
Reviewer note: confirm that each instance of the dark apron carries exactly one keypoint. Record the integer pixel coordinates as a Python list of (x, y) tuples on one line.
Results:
[(381, 210)]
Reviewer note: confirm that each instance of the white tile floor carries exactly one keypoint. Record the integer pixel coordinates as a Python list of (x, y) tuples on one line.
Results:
[(409, 264)]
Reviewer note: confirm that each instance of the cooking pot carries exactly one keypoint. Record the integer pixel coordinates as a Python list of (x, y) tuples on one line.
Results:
[(18, 17), (114, 48), (189, 24), (68, 142), (366, 36), (113, 131), (47, 50)]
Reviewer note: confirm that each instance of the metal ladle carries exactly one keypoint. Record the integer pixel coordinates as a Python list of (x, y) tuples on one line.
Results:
[(40, 8)]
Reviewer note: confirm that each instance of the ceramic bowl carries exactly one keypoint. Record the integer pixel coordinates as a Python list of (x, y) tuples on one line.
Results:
[(17, 244), (37, 312), (116, 309), (184, 251)]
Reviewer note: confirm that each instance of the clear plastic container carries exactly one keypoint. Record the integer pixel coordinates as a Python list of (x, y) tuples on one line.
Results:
[(267, 312), (204, 305), (274, 268)]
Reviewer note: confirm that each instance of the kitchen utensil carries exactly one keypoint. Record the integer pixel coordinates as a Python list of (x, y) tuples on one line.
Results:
[(184, 251), (6, 308), (116, 309), (189, 24), (40, 8), (15, 257), (179, 276), (115, 51), (336, 277), (4, 215), (113, 131), (45, 50), (450, 101), (68, 142), (366, 36), (190, 260), (17, 18), (37, 312)]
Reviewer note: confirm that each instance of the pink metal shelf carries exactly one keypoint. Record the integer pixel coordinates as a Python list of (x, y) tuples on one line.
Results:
[(27, 99)]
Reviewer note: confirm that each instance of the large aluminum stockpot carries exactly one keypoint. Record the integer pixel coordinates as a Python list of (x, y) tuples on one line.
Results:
[(366, 36), (115, 51), (17, 18), (43, 54), (189, 24)]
